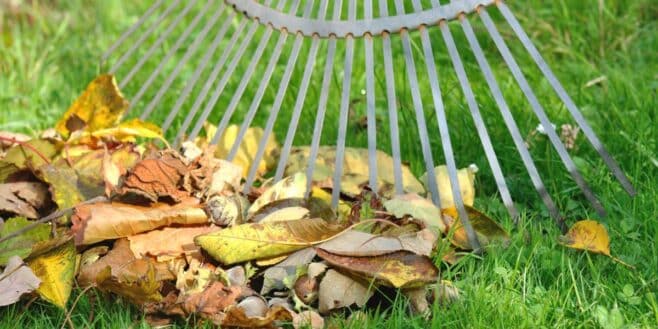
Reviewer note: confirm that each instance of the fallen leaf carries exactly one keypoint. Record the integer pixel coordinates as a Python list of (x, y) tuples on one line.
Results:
[(236, 317), (155, 178), (401, 269), (20, 157), (293, 209), (275, 277), (291, 187), (307, 319), (255, 241), (23, 198), (106, 221), (227, 210), (487, 229), (16, 280), (63, 183), (127, 131), (362, 244), (21, 245), (9, 139), (253, 306), (212, 301), (418, 208), (168, 241), (99, 171), (226, 176), (56, 270), (466, 178), (247, 149), (355, 169), (338, 290), (100, 106), (587, 235), (418, 300)]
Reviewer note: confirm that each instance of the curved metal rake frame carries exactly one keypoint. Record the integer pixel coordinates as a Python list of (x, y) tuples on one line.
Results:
[(313, 25)]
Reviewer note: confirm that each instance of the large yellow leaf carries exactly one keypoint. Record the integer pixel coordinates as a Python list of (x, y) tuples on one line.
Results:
[(486, 229), (588, 235), (128, 131), (56, 270), (100, 106), (466, 178), (256, 241)]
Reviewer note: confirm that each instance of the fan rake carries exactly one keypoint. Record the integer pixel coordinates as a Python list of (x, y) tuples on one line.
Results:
[(221, 41)]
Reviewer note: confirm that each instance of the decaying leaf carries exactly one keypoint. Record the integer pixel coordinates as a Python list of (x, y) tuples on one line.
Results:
[(338, 290), (255, 241), (307, 319), (355, 170), (20, 157), (100, 106), (105, 221), (275, 277), (291, 187), (212, 301), (293, 209), (361, 244), (21, 245), (121, 272), (155, 178), (236, 317), (56, 270), (16, 280), (487, 229), (588, 235), (227, 210), (23, 198), (418, 208), (168, 241), (247, 149), (99, 171), (401, 269), (466, 177), (226, 177), (63, 183)]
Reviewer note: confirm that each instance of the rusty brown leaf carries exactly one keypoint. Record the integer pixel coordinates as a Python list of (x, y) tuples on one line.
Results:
[(156, 178)]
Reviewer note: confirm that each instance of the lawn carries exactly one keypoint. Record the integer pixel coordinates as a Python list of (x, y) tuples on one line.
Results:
[(50, 50)]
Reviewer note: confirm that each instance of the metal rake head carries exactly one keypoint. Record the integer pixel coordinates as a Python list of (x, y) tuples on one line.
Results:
[(236, 37)]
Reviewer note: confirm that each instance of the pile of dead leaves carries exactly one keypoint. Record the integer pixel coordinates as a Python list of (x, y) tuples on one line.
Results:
[(94, 203)]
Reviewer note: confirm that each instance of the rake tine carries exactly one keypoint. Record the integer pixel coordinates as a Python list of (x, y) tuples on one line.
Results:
[(392, 103), (143, 37), (210, 81), (197, 74), (477, 118), (418, 107), (299, 103), (443, 129), (179, 66), (165, 60), (229, 72), (539, 111), (255, 104), (509, 121), (274, 111), (131, 30), (158, 42), (566, 99), (370, 101), (344, 110), (322, 103)]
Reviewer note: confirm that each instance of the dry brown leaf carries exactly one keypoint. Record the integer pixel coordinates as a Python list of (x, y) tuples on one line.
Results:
[(338, 290), (236, 317), (212, 301), (106, 221), (156, 178), (100, 106), (168, 241), (256, 241), (16, 280), (401, 269), (361, 244), (23, 198)]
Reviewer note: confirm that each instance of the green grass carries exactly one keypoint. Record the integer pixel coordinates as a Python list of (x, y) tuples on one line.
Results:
[(46, 59)]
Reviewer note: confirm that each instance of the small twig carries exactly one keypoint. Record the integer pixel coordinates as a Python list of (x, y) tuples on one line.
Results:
[(75, 302), (52, 216), (27, 145)]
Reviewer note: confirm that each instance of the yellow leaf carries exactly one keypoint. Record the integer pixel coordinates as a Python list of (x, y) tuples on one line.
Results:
[(486, 229), (466, 178), (56, 270), (129, 130), (100, 106), (257, 241), (588, 235)]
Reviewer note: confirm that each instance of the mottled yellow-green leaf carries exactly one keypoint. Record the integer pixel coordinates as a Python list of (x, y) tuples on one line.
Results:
[(63, 183), (22, 157), (257, 241), (128, 131), (100, 106), (56, 270), (486, 229), (21, 245)]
